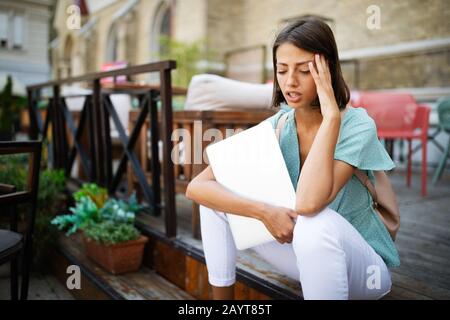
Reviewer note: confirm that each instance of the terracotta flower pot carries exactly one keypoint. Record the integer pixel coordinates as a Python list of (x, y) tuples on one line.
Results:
[(118, 258)]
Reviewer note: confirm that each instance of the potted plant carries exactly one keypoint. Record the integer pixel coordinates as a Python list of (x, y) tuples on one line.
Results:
[(107, 226)]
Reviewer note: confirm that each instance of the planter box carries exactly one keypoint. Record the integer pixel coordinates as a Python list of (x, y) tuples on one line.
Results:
[(118, 258)]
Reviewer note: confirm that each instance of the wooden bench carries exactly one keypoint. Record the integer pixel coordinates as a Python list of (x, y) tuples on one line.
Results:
[(196, 123)]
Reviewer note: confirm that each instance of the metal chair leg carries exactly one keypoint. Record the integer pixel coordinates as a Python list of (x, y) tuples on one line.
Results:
[(441, 166), (409, 168), (424, 167)]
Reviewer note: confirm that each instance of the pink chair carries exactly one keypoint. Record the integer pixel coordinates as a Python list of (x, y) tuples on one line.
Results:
[(399, 116)]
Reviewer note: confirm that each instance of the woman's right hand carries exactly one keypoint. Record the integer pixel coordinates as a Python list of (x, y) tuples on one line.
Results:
[(280, 222)]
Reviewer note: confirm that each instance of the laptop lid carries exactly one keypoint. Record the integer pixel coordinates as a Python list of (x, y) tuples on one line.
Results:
[(250, 163)]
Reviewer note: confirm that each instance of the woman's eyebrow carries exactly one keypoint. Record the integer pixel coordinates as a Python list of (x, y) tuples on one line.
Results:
[(297, 64)]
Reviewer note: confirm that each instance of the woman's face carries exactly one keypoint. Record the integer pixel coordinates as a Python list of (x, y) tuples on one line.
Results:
[(295, 80)]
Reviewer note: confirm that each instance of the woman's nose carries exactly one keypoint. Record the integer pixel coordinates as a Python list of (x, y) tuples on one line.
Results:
[(292, 80)]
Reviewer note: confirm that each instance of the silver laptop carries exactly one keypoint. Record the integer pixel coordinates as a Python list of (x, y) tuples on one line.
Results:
[(250, 163)]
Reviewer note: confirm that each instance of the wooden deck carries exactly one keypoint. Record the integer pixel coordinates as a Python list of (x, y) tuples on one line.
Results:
[(97, 283), (175, 268), (423, 242)]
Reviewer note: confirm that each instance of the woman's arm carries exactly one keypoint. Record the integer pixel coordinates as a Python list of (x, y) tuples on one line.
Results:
[(205, 190), (321, 176)]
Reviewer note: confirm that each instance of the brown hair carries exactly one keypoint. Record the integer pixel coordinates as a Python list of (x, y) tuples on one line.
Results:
[(315, 36)]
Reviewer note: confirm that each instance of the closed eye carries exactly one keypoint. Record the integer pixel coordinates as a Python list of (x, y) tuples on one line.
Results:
[(301, 71)]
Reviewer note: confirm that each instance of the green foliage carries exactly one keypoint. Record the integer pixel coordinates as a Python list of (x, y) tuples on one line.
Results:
[(110, 232), (9, 107), (13, 170), (92, 190), (51, 187), (111, 223), (6, 107), (84, 213), (187, 56), (120, 211), (51, 197)]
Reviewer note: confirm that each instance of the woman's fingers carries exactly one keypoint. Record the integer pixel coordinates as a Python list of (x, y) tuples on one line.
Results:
[(326, 68), (293, 214), (314, 73), (319, 64)]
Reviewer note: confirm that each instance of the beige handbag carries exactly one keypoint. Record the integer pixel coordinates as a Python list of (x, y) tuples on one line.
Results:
[(384, 200)]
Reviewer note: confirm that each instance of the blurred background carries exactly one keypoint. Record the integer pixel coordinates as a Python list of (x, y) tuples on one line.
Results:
[(395, 57)]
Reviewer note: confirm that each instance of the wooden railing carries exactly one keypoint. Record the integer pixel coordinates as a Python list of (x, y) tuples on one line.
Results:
[(194, 123), (91, 140)]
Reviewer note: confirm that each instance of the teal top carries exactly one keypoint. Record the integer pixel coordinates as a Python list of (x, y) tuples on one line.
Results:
[(357, 145)]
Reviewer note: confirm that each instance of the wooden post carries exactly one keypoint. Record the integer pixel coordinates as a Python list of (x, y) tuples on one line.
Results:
[(99, 157), (169, 176), (92, 143), (156, 168), (33, 129)]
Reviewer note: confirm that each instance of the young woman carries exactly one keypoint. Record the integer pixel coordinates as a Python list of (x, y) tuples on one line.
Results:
[(333, 242)]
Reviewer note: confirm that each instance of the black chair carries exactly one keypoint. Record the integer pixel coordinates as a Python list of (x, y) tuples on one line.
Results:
[(16, 246)]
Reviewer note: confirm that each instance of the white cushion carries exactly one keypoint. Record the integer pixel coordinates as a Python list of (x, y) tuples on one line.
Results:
[(208, 91), (121, 102)]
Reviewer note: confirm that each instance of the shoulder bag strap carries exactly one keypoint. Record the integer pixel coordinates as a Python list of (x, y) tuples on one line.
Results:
[(368, 184)]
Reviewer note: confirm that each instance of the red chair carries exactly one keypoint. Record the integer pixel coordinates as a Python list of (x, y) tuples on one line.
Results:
[(399, 116), (355, 96)]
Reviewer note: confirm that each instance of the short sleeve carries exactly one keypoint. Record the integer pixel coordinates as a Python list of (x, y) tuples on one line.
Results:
[(274, 119), (359, 146)]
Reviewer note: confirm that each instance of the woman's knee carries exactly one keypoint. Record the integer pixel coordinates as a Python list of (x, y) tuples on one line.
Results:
[(315, 232)]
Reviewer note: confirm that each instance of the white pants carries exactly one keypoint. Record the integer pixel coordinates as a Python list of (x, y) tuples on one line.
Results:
[(328, 256)]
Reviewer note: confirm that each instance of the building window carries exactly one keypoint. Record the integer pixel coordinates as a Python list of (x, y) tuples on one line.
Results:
[(12, 30), (4, 30), (18, 32), (165, 30), (112, 45), (161, 29)]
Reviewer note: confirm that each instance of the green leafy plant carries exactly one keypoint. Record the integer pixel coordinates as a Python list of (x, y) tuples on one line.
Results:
[(92, 190), (121, 211), (109, 232), (188, 57), (84, 213), (115, 216)]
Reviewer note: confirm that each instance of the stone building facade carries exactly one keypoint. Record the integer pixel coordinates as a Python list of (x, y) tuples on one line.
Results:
[(24, 36), (382, 44)]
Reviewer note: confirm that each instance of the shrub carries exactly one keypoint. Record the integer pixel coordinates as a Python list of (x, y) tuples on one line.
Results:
[(111, 223), (109, 232)]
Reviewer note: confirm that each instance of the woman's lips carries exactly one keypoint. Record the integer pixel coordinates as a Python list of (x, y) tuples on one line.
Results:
[(293, 97)]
